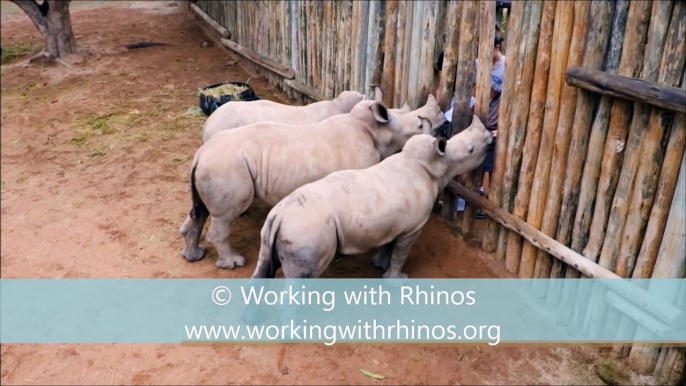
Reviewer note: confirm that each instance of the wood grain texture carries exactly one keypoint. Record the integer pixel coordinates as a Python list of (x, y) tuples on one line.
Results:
[(533, 133)]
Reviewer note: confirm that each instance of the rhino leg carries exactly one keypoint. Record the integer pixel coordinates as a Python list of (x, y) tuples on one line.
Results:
[(191, 230), (382, 258), (401, 248), (218, 235)]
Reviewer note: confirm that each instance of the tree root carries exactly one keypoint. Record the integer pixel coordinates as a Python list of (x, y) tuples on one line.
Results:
[(43, 58)]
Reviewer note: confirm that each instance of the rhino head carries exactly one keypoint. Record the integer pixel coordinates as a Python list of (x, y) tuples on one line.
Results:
[(391, 128), (446, 159), (432, 111)]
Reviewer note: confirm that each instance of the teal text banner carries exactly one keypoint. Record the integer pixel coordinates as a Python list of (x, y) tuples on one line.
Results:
[(331, 311)]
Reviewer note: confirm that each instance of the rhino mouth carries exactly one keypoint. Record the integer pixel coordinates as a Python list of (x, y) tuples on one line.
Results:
[(442, 130)]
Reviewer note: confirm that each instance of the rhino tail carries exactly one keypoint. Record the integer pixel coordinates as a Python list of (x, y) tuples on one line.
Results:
[(268, 262), (198, 210)]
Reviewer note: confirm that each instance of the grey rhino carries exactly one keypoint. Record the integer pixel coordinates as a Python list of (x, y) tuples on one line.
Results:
[(354, 211), (238, 114), (269, 160)]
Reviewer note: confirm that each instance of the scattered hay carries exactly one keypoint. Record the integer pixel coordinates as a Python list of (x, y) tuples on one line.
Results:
[(18, 50), (103, 124), (224, 89)]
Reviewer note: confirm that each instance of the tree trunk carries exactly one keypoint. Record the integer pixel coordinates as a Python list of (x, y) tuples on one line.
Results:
[(54, 23)]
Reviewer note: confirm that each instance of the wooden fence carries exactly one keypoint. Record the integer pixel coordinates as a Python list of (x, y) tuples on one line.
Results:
[(601, 174)]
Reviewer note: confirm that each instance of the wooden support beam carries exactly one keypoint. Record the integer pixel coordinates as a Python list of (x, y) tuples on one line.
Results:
[(221, 30), (267, 63), (301, 88), (636, 90), (657, 307)]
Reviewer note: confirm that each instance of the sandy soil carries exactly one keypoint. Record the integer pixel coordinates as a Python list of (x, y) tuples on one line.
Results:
[(95, 162)]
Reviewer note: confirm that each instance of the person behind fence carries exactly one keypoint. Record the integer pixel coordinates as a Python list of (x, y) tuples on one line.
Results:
[(497, 81)]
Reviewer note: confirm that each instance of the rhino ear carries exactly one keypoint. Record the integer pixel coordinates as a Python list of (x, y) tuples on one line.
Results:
[(477, 122), (406, 108), (440, 145), (380, 112), (431, 100), (426, 124), (378, 93)]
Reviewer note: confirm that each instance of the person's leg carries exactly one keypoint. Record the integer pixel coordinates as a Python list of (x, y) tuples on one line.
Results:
[(487, 168)]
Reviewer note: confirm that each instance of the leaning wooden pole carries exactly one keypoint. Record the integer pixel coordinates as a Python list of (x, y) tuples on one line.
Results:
[(630, 65), (483, 93), (544, 263), (525, 59), (533, 133), (490, 240), (562, 36)]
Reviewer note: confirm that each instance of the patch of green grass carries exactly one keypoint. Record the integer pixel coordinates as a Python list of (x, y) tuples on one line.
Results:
[(14, 51), (102, 124)]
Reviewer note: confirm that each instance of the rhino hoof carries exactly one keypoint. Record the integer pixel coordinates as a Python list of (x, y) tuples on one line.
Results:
[(231, 262), (196, 254)]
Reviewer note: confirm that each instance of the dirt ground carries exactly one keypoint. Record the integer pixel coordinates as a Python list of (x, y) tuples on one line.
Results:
[(95, 163)]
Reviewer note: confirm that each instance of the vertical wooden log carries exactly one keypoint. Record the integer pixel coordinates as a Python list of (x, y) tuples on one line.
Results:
[(407, 52), (562, 142), (621, 113), (630, 160), (671, 262), (389, 55), (562, 36), (490, 240), (399, 50), (465, 67), (375, 43), (671, 71), (348, 29), (663, 198), (533, 133), (429, 28), (452, 36), (447, 81), (671, 366), (415, 56), (596, 142), (644, 190), (325, 46), (525, 57), (355, 44), (483, 93), (595, 50), (576, 313)]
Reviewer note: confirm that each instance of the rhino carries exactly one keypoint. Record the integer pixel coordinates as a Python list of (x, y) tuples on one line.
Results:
[(238, 114), (351, 212), (270, 160)]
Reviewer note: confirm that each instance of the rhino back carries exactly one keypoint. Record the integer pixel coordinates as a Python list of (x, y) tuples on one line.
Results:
[(377, 204)]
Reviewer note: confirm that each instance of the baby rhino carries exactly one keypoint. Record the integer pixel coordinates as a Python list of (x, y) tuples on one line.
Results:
[(353, 211), (239, 114)]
